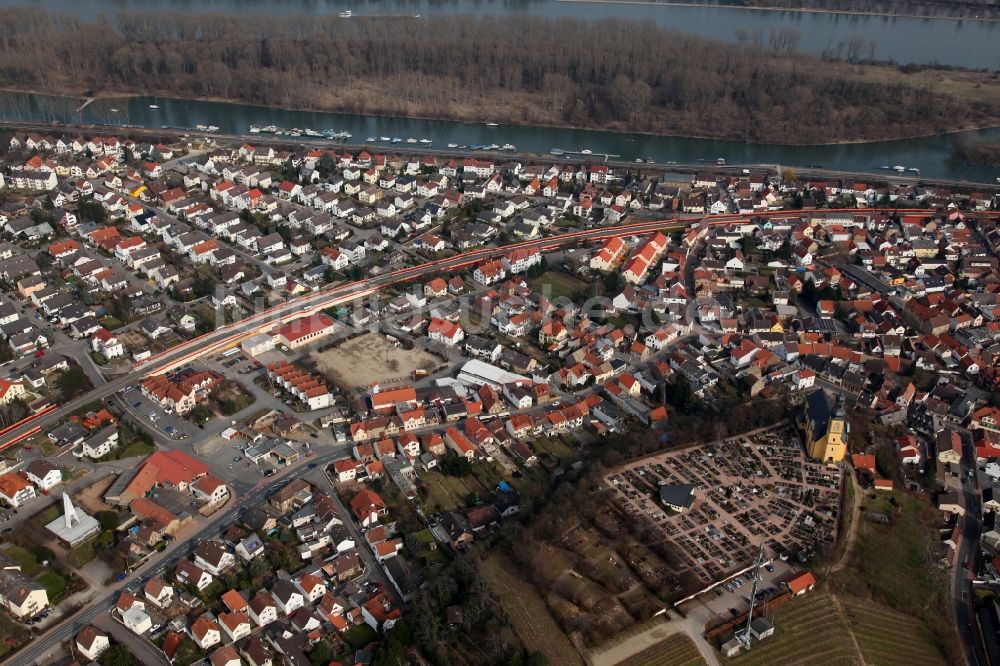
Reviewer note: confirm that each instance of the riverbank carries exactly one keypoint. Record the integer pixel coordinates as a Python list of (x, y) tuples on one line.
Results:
[(618, 76), (108, 96), (817, 172), (978, 154), (800, 10), (930, 156)]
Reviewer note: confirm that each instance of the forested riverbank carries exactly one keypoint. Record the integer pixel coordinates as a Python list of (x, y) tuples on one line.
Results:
[(614, 75), (978, 154)]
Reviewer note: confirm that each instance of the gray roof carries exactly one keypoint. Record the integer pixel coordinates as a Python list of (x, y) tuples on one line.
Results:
[(681, 495)]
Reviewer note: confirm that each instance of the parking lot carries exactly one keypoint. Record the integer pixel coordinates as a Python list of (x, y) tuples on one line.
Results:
[(747, 489), (732, 597), (152, 416)]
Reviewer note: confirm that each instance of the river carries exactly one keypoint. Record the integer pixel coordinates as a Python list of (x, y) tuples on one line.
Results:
[(931, 155), (968, 43)]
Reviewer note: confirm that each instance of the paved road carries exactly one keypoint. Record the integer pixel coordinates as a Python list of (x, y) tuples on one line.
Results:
[(371, 564), (138, 646), (968, 550)]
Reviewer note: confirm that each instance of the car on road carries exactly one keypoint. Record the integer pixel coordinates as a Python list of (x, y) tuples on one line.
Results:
[(237, 458), (312, 465), (769, 567)]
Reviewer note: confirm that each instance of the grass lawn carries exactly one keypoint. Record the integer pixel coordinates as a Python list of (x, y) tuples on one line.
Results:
[(527, 611), (29, 564), (82, 554), (359, 636), (47, 515), (895, 563), (556, 448), (137, 448), (557, 284), (111, 323), (439, 495), (678, 650), (55, 585)]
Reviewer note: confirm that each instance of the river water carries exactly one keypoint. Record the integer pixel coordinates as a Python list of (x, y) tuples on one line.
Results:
[(960, 43), (931, 155)]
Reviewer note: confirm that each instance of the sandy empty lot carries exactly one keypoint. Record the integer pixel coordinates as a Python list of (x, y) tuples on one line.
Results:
[(91, 499), (360, 362)]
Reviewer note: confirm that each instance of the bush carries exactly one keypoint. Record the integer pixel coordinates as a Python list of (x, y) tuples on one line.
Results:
[(454, 465)]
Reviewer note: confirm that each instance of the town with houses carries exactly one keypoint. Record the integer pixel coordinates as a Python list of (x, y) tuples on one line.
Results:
[(288, 494)]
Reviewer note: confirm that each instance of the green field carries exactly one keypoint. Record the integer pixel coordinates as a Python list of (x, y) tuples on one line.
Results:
[(556, 448), (527, 611), (808, 630), (823, 629), (29, 563), (892, 562), (557, 283), (887, 637), (54, 584), (678, 650)]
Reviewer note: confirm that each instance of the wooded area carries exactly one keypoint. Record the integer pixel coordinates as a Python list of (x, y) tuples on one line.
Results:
[(973, 9), (608, 74), (979, 154)]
